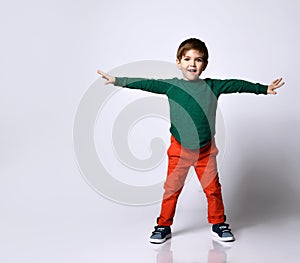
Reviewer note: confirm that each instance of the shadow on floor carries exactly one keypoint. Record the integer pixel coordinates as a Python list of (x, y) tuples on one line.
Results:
[(264, 192)]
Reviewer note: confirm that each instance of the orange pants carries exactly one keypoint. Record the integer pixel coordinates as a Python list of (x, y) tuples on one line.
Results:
[(204, 162)]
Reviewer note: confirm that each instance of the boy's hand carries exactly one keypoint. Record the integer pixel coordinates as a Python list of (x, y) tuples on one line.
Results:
[(109, 79), (276, 84)]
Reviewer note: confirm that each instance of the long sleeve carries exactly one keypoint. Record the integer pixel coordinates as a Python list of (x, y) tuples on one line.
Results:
[(150, 85), (236, 85)]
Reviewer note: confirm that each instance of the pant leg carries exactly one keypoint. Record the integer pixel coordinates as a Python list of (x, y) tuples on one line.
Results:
[(178, 167), (207, 173)]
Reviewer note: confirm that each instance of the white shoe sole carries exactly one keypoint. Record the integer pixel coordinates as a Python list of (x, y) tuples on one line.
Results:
[(224, 239), (159, 241)]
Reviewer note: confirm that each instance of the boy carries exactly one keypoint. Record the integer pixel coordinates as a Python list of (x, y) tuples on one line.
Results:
[(193, 103)]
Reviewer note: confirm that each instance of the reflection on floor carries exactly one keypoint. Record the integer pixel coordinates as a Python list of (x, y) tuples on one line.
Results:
[(217, 254)]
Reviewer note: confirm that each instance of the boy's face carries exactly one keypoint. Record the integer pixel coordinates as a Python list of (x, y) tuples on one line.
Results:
[(191, 64)]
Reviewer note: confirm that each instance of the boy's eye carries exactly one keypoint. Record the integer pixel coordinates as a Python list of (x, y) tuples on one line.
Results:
[(197, 60)]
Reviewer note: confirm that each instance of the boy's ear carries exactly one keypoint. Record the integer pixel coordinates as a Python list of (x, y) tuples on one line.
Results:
[(178, 63), (204, 66)]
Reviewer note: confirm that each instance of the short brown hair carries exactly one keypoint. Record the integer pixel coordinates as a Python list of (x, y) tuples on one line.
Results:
[(192, 43)]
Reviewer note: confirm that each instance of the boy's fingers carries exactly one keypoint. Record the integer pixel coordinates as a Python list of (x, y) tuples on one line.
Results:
[(276, 81), (101, 73), (279, 84), (108, 82)]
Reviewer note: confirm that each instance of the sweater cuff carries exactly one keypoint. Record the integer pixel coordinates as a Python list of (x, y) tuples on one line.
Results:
[(264, 89), (121, 82)]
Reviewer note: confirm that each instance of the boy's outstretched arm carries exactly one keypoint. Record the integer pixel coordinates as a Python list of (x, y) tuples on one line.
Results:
[(109, 79), (150, 85), (276, 84)]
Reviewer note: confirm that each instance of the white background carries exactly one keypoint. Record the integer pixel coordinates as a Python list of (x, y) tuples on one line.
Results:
[(50, 51)]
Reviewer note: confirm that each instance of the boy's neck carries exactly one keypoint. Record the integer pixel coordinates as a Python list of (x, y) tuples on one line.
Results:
[(195, 80)]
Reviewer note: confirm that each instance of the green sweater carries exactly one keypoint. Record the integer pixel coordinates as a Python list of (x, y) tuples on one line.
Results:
[(193, 104)]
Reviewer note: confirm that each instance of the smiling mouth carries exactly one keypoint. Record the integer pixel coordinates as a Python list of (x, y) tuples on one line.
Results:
[(192, 70)]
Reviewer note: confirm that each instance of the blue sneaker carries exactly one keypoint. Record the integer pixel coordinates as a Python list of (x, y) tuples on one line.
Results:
[(160, 234), (222, 232)]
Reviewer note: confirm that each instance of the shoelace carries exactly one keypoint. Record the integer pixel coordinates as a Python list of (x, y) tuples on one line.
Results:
[(159, 230), (224, 228)]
